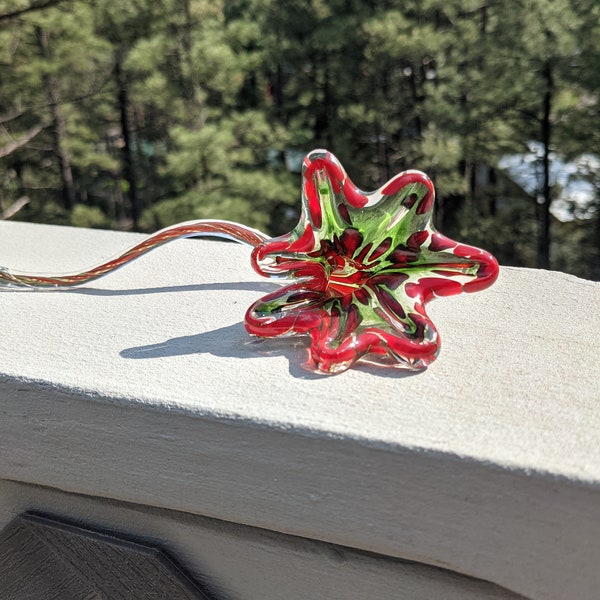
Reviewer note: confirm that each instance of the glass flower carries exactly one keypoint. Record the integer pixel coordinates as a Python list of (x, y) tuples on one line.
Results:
[(362, 268)]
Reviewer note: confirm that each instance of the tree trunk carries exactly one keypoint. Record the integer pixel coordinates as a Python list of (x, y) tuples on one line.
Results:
[(417, 100), (192, 86), (129, 173), (59, 125), (471, 193), (543, 258), (322, 121)]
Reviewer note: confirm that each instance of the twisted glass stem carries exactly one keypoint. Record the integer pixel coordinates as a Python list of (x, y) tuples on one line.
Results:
[(199, 228)]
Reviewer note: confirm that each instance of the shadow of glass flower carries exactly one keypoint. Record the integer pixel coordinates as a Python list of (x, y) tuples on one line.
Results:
[(363, 266)]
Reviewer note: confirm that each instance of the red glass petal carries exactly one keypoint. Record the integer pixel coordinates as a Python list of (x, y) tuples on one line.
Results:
[(314, 204), (381, 249), (362, 295), (440, 242), (350, 241), (343, 212), (353, 195), (486, 275), (416, 239), (389, 302), (428, 286), (389, 278)]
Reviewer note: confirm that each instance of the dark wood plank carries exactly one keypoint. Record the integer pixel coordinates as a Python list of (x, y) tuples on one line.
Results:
[(45, 559)]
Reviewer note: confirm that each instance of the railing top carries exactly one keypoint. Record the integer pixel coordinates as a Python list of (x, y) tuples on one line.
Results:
[(516, 378), (145, 386)]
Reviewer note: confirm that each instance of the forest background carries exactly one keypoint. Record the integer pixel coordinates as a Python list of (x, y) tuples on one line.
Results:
[(141, 113)]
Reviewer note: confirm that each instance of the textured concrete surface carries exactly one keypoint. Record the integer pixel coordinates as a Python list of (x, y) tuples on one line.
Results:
[(234, 562), (487, 463)]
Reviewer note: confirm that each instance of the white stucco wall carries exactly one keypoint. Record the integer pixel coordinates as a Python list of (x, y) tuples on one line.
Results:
[(145, 387)]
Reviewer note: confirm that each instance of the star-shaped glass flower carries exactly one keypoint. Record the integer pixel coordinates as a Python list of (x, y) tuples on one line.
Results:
[(362, 267)]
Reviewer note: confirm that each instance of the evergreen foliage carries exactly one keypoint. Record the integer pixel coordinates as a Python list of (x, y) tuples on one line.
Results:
[(142, 113)]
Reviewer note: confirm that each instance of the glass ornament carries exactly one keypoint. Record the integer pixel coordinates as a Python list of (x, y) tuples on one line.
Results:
[(360, 267)]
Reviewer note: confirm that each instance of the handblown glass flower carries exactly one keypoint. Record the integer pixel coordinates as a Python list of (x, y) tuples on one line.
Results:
[(363, 266)]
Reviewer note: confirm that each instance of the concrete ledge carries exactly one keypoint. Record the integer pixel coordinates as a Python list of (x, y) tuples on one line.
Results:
[(144, 387), (232, 561)]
